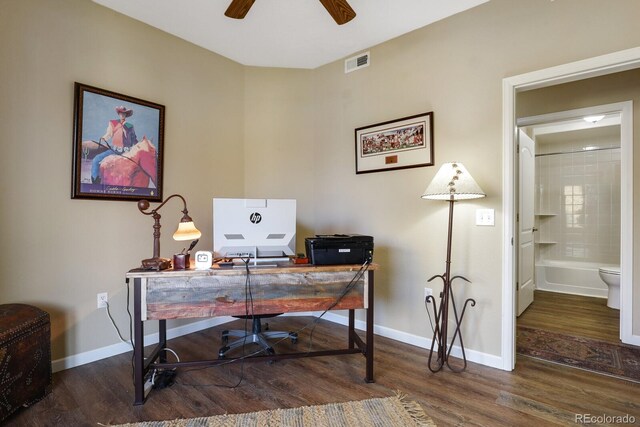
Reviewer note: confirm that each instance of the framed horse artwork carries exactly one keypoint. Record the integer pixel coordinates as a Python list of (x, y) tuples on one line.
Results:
[(118, 145)]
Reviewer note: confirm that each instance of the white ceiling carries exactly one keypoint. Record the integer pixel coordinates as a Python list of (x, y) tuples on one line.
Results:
[(585, 136), (557, 128), (287, 33)]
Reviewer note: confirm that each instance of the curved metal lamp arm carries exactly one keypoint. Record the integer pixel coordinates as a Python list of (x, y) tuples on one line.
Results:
[(143, 206)]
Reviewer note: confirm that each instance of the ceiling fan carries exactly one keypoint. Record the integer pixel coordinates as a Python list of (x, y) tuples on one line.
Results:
[(339, 10)]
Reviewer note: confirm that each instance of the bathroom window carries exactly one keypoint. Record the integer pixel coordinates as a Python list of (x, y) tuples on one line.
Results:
[(574, 206)]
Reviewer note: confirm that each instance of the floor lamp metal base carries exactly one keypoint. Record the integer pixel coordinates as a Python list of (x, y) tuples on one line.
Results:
[(443, 349)]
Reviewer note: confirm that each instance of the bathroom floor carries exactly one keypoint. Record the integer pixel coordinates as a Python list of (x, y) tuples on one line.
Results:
[(573, 315)]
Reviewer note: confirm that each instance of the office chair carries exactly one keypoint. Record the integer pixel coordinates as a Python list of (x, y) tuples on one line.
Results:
[(256, 336)]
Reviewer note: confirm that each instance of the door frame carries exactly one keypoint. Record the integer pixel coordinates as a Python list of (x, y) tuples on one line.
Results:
[(584, 69)]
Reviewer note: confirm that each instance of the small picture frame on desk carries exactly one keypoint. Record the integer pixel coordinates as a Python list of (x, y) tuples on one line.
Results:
[(118, 145), (396, 144)]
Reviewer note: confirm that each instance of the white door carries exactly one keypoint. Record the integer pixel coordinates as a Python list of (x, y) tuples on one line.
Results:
[(526, 253)]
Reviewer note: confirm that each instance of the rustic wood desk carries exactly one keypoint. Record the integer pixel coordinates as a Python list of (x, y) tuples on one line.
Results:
[(180, 294)]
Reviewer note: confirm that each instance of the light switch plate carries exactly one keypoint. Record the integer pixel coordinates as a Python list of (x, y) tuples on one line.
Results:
[(485, 217)]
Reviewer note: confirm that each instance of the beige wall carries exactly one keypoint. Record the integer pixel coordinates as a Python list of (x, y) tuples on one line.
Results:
[(618, 87), (55, 252), (280, 133), (455, 68), (279, 140)]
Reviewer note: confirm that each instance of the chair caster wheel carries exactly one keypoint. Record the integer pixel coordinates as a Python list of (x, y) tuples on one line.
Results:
[(270, 352), (222, 352)]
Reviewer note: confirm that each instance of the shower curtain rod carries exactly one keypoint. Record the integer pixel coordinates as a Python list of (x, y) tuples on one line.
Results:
[(576, 151)]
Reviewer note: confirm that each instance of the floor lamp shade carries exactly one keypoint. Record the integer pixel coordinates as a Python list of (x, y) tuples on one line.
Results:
[(453, 182)]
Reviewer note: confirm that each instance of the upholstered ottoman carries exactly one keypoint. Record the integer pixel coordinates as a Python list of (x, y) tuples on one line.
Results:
[(25, 356)]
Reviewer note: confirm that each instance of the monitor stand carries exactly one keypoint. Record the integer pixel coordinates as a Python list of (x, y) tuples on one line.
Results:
[(260, 262)]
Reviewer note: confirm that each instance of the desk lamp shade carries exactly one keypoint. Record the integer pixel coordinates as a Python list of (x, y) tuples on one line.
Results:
[(186, 231), (453, 182)]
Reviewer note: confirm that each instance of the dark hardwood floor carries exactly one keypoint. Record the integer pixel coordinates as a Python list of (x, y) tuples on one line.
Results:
[(572, 315), (535, 394)]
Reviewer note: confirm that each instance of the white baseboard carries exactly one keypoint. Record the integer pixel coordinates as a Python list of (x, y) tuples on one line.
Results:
[(633, 340), (119, 348), (422, 342)]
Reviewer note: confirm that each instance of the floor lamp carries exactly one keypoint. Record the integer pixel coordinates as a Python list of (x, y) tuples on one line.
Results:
[(451, 183)]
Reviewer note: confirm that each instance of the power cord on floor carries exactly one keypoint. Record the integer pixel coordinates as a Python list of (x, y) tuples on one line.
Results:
[(359, 274), (433, 330), (249, 314), (162, 378), (113, 323)]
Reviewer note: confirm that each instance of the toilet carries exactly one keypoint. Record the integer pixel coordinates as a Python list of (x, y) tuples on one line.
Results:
[(610, 274)]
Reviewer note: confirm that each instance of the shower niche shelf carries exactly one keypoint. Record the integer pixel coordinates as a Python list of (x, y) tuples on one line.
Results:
[(545, 242), (545, 214)]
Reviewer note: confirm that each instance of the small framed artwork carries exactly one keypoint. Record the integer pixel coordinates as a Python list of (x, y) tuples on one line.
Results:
[(118, 145), (396, 144)]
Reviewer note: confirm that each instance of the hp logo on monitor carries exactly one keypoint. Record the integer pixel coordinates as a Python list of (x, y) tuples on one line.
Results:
[(255, 218)]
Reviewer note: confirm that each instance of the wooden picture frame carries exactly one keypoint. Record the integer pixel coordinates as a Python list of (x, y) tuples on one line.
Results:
[(118, 146), (397, 144)]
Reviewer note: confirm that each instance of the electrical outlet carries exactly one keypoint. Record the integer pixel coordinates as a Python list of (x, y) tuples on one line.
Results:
[(427, 292), (103, 298)]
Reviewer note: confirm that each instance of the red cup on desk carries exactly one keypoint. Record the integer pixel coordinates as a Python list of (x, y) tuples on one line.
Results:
[(180, 261)]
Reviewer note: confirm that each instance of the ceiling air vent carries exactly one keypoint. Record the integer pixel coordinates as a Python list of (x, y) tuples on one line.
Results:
[(357, 62)]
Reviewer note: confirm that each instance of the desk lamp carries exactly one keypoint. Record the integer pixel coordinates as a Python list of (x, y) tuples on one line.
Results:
[(186, 231), (451, 183)]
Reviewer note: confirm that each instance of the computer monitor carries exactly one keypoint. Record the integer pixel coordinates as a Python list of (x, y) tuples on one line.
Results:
[(254, 228)]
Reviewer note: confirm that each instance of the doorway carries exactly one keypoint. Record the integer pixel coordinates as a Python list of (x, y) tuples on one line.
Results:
[(574, 211), (598, 66)]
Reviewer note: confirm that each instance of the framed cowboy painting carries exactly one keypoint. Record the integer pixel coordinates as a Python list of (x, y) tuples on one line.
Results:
[(118, 145)]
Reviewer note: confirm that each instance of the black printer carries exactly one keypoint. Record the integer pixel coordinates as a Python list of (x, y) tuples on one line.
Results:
[(339, 249)]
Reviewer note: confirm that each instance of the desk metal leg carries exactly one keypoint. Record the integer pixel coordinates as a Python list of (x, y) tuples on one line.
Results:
[(351, 330), (369, 375), (162, 339), (138, 349)]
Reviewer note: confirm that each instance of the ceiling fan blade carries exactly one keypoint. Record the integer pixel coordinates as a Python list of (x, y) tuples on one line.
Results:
[(238, 8), (339, 10)]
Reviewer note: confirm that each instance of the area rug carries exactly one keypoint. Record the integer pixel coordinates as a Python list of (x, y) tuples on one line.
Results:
[(619, 360), (389, 411)]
